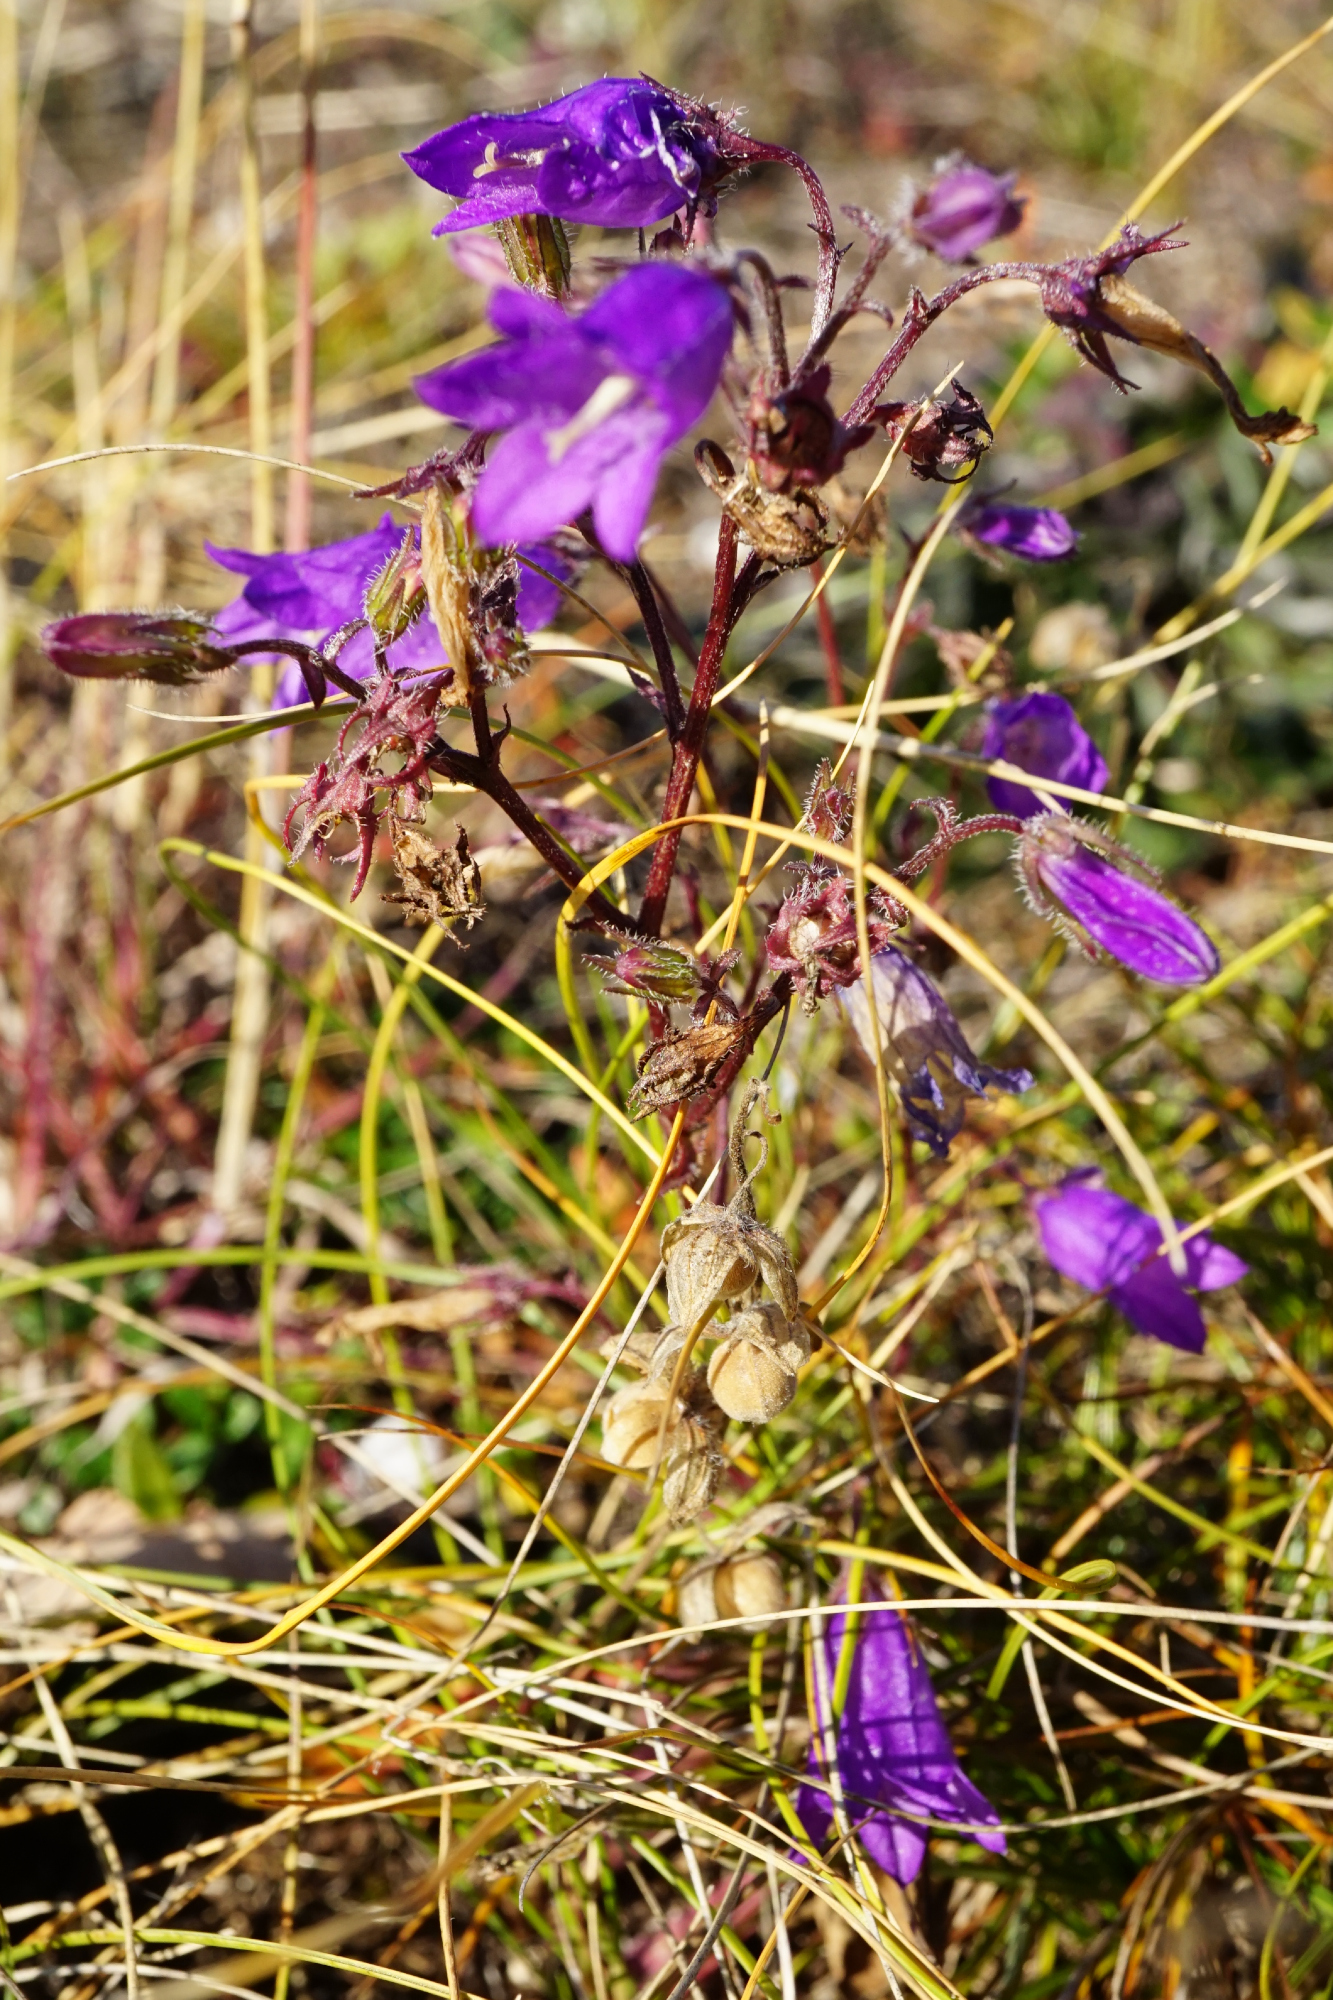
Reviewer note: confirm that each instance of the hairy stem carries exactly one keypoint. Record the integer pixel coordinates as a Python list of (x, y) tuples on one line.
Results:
[(830, 257), (920, 316), (689, 749)]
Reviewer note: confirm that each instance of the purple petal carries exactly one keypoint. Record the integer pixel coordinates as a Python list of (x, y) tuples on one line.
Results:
[(1211, 1265), (1093, 1236), (1040, 733), (670, 327), (1155, 1301), (539, 600), (1037, 534), (1129, 919), (965, 209)]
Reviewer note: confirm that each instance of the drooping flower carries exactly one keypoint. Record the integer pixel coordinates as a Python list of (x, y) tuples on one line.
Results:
[(895, 1763), (1041, 733), (964, 208), (1101, 1240), (589, 403), (173, 648), (924, 1049), (313, 593), (623, 153), (1089, 298), (1037, 534), (1106, 899)]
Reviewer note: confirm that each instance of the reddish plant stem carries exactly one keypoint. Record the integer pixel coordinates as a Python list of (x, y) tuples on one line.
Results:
[(689, 748), (826, 279), (921, 315), (828, 639)]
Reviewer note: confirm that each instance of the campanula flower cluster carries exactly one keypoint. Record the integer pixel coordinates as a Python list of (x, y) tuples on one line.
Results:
[(602, 373)]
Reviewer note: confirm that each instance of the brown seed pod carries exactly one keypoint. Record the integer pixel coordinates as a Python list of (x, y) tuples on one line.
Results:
[(752, 1373), (693, 1468), (630, 1424), (717, 1254), (748, 1585)]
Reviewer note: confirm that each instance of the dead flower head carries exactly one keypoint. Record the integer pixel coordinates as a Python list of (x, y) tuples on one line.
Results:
[(436, 885), (748, 1585), (692, 1463)]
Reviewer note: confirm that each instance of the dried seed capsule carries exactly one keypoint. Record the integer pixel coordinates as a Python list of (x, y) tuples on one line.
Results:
[(752, 1373), (630, 1425), (719, 1255), (749, 1585), (696, 1602), (693, 1467)]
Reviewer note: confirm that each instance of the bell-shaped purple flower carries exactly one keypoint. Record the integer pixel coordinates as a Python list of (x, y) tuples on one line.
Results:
[(924, 1049), (1041, 734), (896, 1765), (589, 403), (964, 208), (622, 153), (1107, 901), (1037, 534), (1101, 1240), (311, 594)]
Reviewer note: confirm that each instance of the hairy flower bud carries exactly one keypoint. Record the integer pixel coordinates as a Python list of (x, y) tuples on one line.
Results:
[(396, 594), (653, 969), (693, 1468), (964, 208), (173, 648), (1105, 899), (752, 1371)]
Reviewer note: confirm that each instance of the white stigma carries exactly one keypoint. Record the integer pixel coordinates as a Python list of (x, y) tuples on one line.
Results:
[(610, 395)]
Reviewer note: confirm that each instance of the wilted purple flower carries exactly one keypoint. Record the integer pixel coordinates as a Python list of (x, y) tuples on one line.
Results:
[(1041, 734), (1037, 534), (924, 1049), (1089, 298), (589, 403), (1105, 898), (310, 595), (946, 440), (173, 648), (963, 209), (623, 153), (1101, 1240), (893, 1752)]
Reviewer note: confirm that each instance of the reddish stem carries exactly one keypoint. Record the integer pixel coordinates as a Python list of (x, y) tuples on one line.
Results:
[(828, 639), (689, 748)]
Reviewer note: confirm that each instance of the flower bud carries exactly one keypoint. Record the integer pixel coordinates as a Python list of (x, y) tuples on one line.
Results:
[(173, 648), (536, 249), (655, 970), (396, 594), (752, 1372), (963, 209), (1104, 898)]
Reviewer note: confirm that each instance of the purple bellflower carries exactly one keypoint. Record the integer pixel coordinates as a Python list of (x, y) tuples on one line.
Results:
[(1106, 900), (1100, 1240), (589, 404), (924, 1049), (1037, 534), (623, 153), (1042, 734), (311, 594), (893, 1752), (964, 208)]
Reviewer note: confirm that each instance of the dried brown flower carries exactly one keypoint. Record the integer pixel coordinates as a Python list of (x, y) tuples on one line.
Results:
[(438, 885), (717, 1254), (748, 1585), (788, 529), (687, 1062)]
